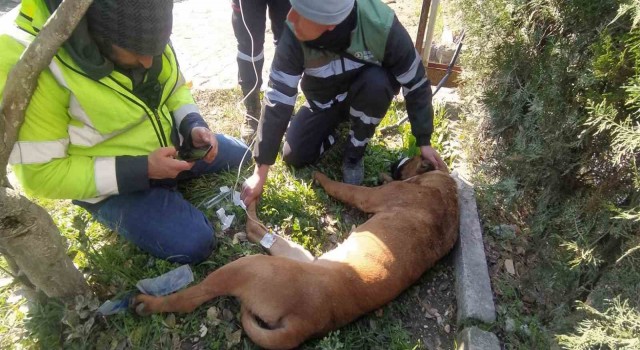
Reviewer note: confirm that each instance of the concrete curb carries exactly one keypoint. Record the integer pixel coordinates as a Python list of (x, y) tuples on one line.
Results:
[(473, 287)]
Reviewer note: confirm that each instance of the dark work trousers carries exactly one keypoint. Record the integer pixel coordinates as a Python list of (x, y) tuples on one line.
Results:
[(255, 17), (311, 131)]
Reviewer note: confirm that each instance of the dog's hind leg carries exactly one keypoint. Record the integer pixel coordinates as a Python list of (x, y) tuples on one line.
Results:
[(226, 280), (286, 335)]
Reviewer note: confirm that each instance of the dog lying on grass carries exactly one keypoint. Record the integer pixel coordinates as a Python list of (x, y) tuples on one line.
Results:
[(290, 296)]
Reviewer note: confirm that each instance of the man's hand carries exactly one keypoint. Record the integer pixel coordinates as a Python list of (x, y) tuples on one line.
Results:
[(252, 187), (430, 154), (202, 137), (163, 165)]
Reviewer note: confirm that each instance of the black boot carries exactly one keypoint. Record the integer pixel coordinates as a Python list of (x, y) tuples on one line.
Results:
[(251, 117), (353, 170)]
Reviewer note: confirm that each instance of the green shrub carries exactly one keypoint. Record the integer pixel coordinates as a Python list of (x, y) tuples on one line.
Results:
[(616, 328), (552, 108)]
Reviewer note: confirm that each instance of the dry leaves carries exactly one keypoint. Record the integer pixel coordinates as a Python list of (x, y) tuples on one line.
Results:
[(239, 237), (430, 312), (213, 314), (170, 321), (203, 330), (508, 264), (234, 338)]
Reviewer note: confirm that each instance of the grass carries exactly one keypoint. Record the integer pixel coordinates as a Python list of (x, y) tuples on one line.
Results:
[(290, 204), (552, 302)]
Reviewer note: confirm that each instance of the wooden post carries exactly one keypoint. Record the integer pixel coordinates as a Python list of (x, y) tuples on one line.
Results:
[(433, 14), (422, 24)]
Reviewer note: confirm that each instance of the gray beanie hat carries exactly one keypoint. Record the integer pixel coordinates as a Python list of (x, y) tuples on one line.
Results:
[(142, 26), (327, 12)]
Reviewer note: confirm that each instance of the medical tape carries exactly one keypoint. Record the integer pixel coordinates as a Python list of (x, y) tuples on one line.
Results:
[(268, 240)]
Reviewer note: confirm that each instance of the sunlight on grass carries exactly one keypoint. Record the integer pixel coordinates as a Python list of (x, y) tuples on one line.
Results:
[(291, 205)]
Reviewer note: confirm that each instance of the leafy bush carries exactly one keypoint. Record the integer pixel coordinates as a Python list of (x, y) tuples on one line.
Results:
[(616, 328), (552, 92)]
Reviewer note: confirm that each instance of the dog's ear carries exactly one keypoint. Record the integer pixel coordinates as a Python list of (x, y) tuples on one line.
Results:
[(408, 167), (385, 178), (426, 166), (394, 170)]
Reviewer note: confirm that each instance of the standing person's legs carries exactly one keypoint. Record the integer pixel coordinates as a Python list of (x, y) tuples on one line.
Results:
[(370, 95), (252, 16), (278, 10), (249, 23), (310, 134)]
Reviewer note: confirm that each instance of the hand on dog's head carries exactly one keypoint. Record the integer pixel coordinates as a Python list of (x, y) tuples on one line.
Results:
[(410, 167)]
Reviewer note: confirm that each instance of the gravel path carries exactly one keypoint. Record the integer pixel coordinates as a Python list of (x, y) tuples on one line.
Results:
[(206, 45), (204, 39), (7, 5)]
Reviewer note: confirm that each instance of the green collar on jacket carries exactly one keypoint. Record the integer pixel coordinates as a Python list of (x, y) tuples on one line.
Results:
[(368, 39)]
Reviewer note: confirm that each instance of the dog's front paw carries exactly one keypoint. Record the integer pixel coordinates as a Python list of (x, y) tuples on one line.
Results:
[(145, 305), (319, 177)]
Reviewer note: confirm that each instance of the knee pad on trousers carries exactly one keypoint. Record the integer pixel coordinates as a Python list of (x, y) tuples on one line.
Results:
[(296, 158), (376, 81)]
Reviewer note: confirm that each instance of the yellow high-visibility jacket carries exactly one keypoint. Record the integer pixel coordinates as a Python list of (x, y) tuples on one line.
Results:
[(87, 129)]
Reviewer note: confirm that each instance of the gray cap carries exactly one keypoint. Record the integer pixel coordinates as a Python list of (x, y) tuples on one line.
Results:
[(327, 12)]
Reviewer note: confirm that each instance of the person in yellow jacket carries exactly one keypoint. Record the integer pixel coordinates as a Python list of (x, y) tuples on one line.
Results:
[(106, 121)]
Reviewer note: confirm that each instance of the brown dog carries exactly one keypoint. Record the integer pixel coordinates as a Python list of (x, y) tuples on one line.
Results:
[(286, 300)]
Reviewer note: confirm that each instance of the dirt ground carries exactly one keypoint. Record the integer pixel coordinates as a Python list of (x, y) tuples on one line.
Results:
[(7, 5), (206, 45), (431, 308)]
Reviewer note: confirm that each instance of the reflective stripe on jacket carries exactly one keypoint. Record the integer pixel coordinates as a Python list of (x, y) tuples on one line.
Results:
[(325, 75), (88, 139)]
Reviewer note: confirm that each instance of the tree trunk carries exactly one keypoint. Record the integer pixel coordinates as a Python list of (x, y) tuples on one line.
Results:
[(33, 242), (27, 233)]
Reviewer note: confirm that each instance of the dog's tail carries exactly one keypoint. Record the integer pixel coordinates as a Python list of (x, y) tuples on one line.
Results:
[(284, 336)]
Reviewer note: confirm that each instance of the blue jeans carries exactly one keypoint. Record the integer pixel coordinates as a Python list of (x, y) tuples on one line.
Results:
[(160, 221)]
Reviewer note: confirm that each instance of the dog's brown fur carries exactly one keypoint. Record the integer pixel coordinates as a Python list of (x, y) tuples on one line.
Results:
[(286, 301)]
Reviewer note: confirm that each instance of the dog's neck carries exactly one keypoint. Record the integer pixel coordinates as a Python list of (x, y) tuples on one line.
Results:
[(411, 178)]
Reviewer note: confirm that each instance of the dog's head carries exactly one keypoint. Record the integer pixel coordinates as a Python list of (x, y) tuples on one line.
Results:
[(409, 167)]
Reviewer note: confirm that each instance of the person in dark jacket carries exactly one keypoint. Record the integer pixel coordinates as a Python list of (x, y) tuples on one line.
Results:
[(248, 19), (352, 57)]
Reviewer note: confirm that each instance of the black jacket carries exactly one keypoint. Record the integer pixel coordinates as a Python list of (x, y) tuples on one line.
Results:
[(320, 88)]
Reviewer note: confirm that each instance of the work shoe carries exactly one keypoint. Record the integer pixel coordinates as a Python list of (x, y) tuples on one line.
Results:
[(251, 117), (353, 171), (248, 129)]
